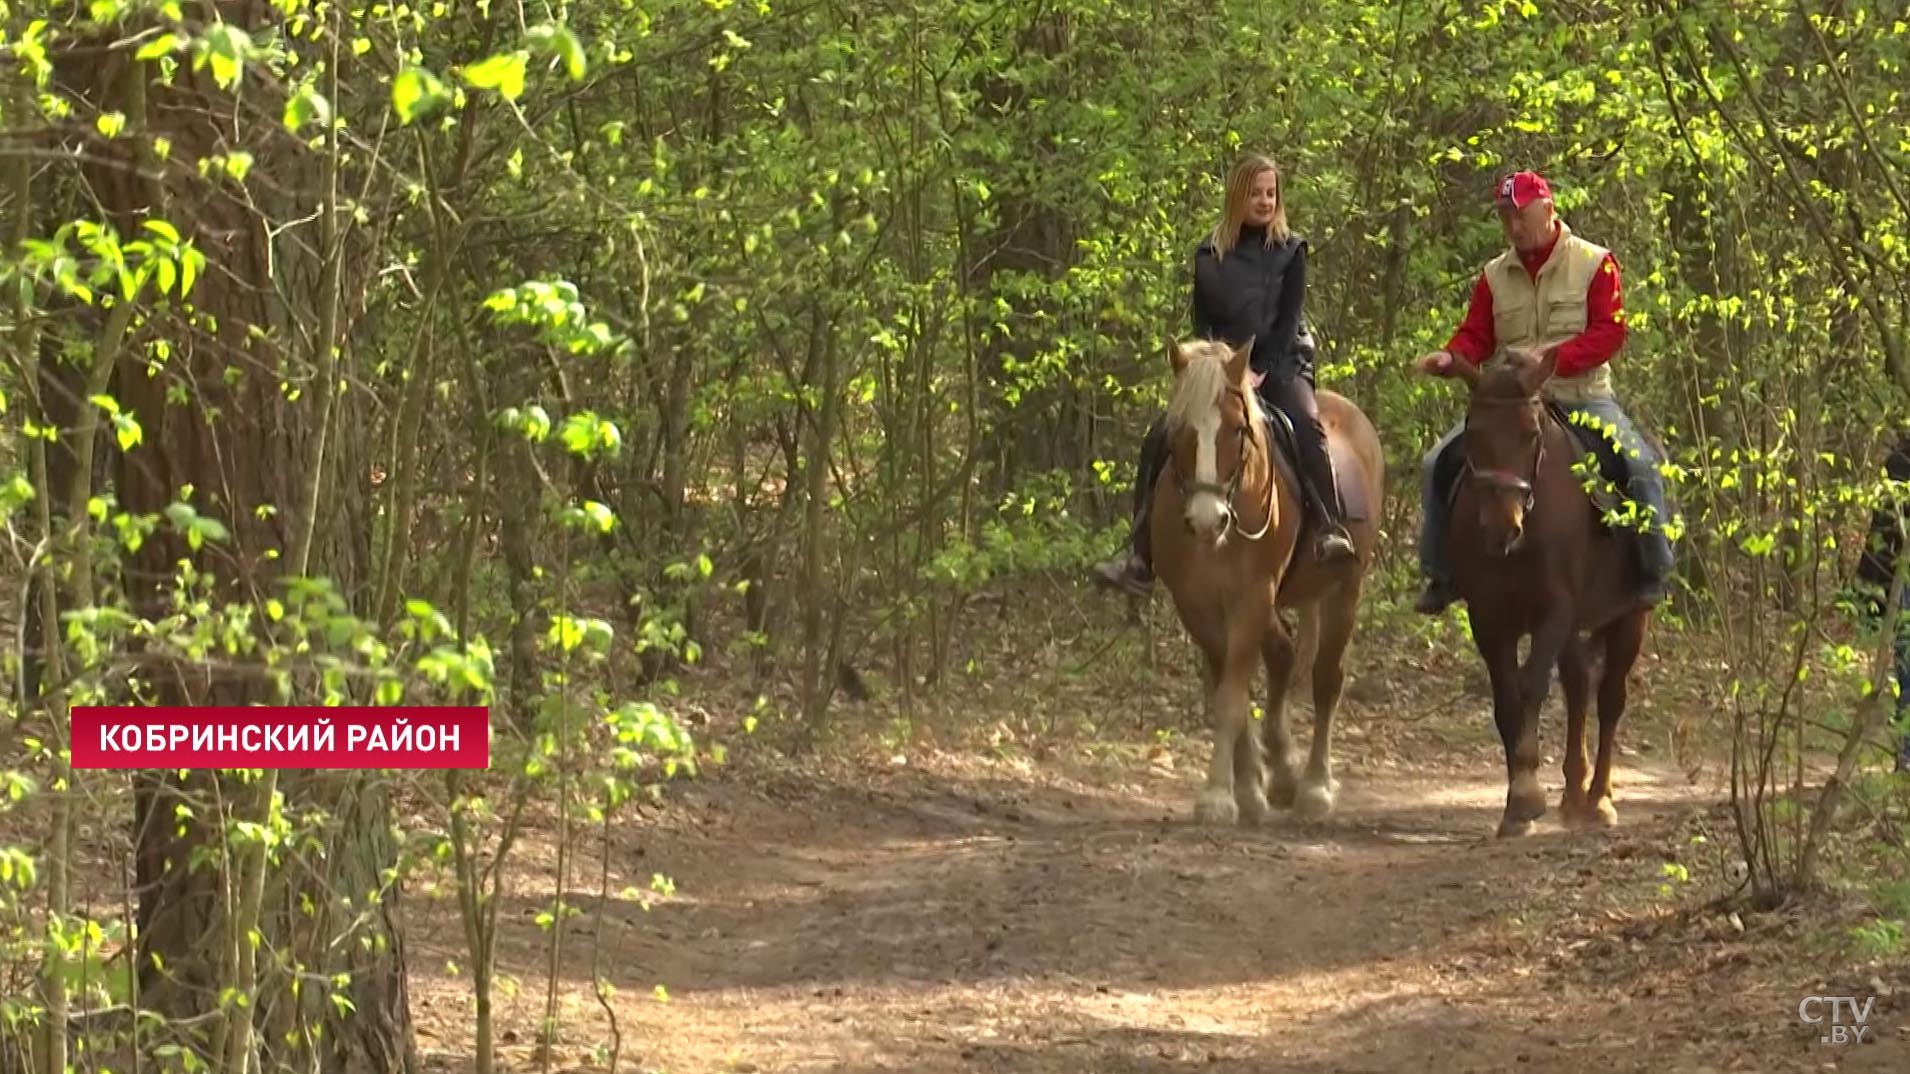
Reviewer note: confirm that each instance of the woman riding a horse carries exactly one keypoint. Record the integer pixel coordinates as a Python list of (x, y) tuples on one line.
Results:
[(1250, 284)]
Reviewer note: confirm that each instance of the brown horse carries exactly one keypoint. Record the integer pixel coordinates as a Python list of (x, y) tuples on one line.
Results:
[(1227, 542), (1531, 556)]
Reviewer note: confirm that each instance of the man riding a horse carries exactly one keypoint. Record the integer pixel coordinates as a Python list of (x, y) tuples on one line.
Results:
[(1554, 294)]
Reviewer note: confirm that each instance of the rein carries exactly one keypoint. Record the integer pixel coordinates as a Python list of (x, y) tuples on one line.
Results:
[(1227, 492)]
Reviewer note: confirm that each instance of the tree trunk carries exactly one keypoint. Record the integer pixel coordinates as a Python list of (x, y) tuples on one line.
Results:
[(221, 435), (1028, 431)]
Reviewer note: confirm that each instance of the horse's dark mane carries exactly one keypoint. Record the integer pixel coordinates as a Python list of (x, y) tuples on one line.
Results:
[(1504, 383)]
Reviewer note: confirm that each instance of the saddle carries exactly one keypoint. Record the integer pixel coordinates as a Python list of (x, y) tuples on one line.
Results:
[(1613, 467), (1285, 447)]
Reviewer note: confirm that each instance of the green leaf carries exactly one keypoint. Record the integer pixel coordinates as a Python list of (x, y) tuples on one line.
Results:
[(225, 46), (415, 92), (163, 45), (238, 164), (568, 633), (127, 429), (578, 434), (562, 42), (600, 516), (536, 423), (306, 106), (189, 268), (503, 72)]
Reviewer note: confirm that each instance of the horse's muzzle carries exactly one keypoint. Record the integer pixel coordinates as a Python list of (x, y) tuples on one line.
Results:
[(1209, 524)]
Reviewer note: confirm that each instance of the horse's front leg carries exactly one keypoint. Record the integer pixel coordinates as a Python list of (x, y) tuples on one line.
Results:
[(1498, 646), (1215, 804), (1236, 774), (1519, 728), (1542, 660)]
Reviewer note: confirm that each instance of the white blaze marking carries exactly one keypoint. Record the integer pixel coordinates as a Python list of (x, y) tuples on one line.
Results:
[(1205, 510)]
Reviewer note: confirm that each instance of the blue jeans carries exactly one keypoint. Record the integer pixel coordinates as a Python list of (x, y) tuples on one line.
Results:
[(1644, 484)]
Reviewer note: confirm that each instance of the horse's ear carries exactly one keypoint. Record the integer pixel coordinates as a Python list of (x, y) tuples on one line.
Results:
[(1176, 356), (1237, 361), (1534, 376)]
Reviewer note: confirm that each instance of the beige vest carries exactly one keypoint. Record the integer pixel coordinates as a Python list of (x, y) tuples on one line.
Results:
[(1551, 309)]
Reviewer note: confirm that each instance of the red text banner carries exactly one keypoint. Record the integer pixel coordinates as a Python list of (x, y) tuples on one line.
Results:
[(286, 736)]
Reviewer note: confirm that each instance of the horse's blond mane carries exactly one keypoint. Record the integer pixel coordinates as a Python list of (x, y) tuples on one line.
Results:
[(1198, 389)]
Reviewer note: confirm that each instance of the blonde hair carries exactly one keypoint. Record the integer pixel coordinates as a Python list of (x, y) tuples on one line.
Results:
[(1239, 187)]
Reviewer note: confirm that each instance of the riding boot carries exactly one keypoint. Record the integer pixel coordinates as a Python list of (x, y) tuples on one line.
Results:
[(1333, 543), (1133, 570), (1436, 470)]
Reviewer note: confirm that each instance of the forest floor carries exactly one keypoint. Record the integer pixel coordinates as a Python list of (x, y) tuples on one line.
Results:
[(1011, 883)]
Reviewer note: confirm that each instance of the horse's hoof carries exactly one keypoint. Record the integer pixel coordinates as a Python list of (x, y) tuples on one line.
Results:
[(1253, 810), (1525, 798), (1516, 827), (1604, 814), (1282, 795), (1316, 800), (1575, 809), (1216, 809)]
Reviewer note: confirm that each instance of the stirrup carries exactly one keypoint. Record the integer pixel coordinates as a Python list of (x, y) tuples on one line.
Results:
[(1335, 544), (1126, 573)]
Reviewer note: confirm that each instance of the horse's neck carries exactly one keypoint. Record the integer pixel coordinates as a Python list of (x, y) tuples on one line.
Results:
[(1261, 479), (1558, 439), (1561, 455)]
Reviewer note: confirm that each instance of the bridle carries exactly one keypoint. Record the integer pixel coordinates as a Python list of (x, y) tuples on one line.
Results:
[(1504, 481), (1227, 492)]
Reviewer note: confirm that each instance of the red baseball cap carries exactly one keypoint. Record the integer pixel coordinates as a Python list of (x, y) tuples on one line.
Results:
[(1522, 189)]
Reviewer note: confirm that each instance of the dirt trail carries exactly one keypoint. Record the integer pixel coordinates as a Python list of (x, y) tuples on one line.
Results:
[(955, 914)]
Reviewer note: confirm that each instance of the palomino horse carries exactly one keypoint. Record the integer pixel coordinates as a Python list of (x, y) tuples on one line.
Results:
[(1531, 555), (1228, 542)]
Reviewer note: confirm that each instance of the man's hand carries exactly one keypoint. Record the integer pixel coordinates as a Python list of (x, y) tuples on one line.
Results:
[(1436, 364)]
